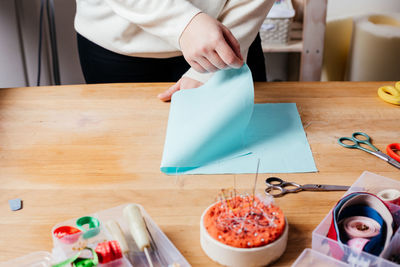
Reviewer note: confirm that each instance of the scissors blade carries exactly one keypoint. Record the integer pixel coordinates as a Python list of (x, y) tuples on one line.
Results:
[(381, 155), (325, 187), (394, 162), (385, 157)]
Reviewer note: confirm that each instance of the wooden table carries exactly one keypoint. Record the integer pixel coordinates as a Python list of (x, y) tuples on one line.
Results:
[(69, 151)]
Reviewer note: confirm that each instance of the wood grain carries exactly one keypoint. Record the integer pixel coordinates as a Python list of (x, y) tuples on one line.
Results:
[(69, 151)]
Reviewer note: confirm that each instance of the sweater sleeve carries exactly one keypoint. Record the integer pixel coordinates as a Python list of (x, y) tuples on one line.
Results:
[(244, 19), (166, 19)]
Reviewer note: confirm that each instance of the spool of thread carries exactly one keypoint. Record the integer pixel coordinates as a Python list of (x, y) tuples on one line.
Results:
[(366, 205), (108, 251), (361, 227), (93, 226), (67, 234), (390, 196)]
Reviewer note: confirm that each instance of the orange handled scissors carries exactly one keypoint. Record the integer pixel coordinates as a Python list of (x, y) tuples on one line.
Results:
[(390, 150)]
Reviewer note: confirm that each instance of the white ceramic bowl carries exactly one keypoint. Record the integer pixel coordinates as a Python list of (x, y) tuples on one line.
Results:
[(241, 257)]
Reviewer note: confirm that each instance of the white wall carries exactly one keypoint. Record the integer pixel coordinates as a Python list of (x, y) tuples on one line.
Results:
[(350, 8)]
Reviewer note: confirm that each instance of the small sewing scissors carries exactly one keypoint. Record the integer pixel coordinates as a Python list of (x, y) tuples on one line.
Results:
[(390, 94), (275, 183), (367, 141)]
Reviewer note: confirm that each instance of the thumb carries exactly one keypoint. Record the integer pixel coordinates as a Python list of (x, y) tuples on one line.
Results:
[(167, 94)]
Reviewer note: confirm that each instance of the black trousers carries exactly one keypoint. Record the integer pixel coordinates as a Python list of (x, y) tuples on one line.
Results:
[(100, 65)]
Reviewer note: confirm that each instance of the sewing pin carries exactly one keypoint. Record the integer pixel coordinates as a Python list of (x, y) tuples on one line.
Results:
[(234, 188), (255, 182)]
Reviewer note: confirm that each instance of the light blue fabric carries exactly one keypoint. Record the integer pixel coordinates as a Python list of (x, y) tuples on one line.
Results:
[(217, 129)]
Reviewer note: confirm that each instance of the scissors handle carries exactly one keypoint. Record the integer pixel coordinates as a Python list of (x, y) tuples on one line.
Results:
[(356, 141), (282, 190), (278, 182), (390, 150), (275, 183), (353, 145), (270, 189)]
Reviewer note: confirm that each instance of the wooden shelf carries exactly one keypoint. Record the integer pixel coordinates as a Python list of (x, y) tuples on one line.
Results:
[(295, 43), (291, 46), (306, 38)]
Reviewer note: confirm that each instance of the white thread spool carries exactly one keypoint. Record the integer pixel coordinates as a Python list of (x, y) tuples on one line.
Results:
[(390, 195)]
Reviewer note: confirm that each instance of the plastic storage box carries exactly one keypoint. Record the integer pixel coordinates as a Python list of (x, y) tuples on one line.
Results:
[(311, 257), (276, 26), (321, 254), (163, 252)]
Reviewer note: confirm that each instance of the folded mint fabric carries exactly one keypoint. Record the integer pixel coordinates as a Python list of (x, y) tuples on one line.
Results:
[(217, 128)]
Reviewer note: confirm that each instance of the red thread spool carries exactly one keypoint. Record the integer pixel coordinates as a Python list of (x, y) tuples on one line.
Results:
[(67, 234), (108, 251), (116, 249)]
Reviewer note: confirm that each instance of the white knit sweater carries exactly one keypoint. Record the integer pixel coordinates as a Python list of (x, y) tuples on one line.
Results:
[(152, 28)]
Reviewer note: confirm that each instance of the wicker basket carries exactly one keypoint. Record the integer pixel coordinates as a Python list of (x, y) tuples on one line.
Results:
[(276, 26)]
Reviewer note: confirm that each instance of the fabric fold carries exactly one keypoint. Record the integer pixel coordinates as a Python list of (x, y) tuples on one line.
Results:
[(217, 129), (209, 122)]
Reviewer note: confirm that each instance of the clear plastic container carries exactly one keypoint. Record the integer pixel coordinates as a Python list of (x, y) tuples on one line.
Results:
[(35, 259), (311, 257), (329, 251), (162, 252)]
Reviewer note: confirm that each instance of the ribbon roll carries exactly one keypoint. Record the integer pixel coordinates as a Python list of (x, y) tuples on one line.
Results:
[(67, 234), (93, 226), (377, 242), (390, 195), (357, 244), (366, 205), (360, 227), (80, 262), (390, 94), (108, 251)]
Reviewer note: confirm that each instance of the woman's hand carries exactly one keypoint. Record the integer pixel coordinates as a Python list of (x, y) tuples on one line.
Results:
[(183, 83), (208, 45)]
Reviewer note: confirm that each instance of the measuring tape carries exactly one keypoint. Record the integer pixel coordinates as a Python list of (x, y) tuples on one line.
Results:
[(390, 94)]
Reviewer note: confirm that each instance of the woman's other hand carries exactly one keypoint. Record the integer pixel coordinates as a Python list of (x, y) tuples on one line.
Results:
[(183, 83)]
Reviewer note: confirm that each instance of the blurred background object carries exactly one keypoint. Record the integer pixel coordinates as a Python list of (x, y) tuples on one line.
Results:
[(342, 58), (345, 54), (19, 28), (300, 58)]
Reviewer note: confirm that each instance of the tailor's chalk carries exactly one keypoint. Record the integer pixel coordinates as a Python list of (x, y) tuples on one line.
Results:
[(15, 204)]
